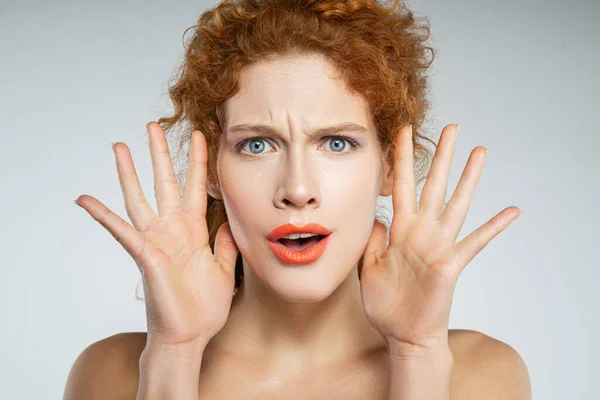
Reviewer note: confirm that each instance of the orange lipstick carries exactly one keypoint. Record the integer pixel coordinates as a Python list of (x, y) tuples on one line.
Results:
[(298, 256), (304, 256)]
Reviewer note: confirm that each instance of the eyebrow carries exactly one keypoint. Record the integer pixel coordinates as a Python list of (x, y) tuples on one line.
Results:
[(328, 130)]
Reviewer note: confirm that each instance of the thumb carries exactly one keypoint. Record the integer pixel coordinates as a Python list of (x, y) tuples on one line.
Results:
[(376, 245), (226, 250)]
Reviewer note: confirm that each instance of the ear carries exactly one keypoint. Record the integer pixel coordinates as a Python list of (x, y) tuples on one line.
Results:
[(214, 190), (387, 177)]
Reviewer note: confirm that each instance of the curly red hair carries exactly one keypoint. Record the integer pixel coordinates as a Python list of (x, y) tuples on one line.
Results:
[(379, 52)]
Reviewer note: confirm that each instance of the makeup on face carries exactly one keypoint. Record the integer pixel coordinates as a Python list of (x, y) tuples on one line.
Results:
[(300, 252), (288, 162), (294, 244)]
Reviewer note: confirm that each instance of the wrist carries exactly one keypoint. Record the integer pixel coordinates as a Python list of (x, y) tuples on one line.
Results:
[(402, 351), (418, 372), (190, 351), (420, 376), (157, 342), (170, 371)]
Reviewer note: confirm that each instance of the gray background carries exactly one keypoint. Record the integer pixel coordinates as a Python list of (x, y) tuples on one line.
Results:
[(519, 77)]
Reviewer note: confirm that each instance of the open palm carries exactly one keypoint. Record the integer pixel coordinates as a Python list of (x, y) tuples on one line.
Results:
[(407, 288), (188, 290)]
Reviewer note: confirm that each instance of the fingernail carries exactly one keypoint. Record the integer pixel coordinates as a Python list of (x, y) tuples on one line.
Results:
[(113, 146), (457, 128), (75, 201)]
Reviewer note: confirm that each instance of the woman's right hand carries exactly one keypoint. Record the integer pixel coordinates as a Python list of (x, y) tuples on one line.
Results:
[(188, 290)]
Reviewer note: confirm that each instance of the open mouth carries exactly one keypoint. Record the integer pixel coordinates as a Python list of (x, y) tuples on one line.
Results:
[(300, 251), (301, 243)]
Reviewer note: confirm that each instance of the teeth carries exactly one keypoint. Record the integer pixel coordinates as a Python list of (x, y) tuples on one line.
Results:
[(298, 235)]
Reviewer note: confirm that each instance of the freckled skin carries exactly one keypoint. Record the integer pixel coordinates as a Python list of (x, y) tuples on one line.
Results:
[(296, 316)]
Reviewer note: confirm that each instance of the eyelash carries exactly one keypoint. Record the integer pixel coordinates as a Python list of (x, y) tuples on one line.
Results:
[(353, 143)]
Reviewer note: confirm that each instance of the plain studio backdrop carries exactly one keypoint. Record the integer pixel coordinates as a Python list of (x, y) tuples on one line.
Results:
[(520, 77)]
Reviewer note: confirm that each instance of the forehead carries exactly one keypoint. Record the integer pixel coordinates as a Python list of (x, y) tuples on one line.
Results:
[(302, 91)]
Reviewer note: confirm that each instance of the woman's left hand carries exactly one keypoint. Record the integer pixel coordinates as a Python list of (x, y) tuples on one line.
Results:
[(407, 288)]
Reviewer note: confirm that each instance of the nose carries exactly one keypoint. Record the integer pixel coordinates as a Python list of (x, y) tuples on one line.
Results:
[(299, 186)]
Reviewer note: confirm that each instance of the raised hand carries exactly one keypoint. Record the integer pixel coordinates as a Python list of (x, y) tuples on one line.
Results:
[(188, 290), (407, 288)]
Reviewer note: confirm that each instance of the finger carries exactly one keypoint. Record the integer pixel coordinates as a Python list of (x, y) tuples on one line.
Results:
[(456, 210), (376, 245), (136, 205), (404, 191), (131, 240), (470, 246), (166, 188), (194, 195), (432, 200), (226, 250)]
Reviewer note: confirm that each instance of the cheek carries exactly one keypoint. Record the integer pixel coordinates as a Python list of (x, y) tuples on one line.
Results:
[(244, 196), (351, 207), (351, 192), (245, 188)]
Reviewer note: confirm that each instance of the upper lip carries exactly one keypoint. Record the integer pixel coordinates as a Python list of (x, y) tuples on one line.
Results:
[(286, 229)]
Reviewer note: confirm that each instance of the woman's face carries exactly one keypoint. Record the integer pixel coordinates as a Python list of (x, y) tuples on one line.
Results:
[(267, 180)]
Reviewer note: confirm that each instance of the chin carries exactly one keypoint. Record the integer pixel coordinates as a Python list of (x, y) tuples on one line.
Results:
[(295, 294), (298, 285)]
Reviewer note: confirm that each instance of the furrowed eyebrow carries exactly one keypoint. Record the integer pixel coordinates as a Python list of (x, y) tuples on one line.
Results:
[(269, 130)]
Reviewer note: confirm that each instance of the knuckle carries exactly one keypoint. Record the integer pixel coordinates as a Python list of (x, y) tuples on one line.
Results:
[(199, 162), (170, 178), (134, 201), (104, 217), (123, 224)]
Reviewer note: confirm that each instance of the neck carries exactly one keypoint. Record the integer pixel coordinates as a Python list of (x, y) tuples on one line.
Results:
[(265, 328)]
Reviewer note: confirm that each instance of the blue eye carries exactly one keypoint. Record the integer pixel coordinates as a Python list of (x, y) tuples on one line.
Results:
[(256, 144), (256, 147)]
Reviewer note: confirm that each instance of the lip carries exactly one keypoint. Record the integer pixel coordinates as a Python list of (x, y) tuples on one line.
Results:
[(304, 256), (286, 229)]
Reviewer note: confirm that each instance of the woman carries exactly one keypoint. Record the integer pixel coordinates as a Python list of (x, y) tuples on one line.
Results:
[(301, 113)]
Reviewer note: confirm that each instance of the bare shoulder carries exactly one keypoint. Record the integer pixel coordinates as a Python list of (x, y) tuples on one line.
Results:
[(485, 367), (107, 369)]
